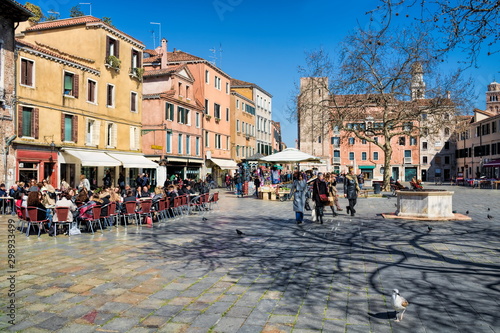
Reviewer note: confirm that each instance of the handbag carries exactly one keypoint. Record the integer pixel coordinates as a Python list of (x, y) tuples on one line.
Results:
[(322, 197)]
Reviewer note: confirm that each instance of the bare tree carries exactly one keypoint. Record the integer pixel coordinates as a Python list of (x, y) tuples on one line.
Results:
[(465, 24), (377, 92)]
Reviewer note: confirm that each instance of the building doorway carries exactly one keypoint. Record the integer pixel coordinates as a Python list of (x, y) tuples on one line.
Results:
[(424, 175), (395, 173), (410, 173)]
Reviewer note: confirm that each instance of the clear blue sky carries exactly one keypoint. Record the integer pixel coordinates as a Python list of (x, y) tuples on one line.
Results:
[(262, 41)]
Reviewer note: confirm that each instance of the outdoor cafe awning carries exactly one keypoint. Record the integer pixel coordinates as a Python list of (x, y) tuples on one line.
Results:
[(89, 158), (492, 164), (133, 161), (225, 164)]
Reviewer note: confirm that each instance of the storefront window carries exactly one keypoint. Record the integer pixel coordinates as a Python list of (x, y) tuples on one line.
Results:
[(28, 171)]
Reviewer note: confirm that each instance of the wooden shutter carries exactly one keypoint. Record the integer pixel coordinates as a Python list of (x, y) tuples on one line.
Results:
[(29, 73), (107, 47), (74, 129), (139, 59), (35, 124), (20, 121), (63, 123), (76, 85), (117, 48), (24, 71), (132, 59)]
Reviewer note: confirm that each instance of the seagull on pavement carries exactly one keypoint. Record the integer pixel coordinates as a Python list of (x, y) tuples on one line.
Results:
[(399, 303)]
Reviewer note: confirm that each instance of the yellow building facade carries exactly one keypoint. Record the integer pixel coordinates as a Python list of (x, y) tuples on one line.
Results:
[(242, 127), (79, 102)]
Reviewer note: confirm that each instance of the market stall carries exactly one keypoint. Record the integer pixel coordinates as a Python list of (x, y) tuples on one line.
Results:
[(287, 156)]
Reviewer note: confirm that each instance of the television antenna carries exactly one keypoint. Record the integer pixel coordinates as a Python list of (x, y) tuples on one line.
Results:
[(216, 57), (159, 35), (87, 3)]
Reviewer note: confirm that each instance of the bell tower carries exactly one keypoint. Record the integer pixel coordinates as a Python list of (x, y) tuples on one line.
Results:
[(493, 98), (417, 83)]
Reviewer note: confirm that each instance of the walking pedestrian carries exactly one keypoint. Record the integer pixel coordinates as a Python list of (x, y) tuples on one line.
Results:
[(361, 179), (299, 190), (320, 195), (256, 182), (332, 192), (351, 190), (238, 184)]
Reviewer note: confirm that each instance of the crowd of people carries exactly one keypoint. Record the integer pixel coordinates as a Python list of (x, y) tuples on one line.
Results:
[(322, 190), (81, 199)]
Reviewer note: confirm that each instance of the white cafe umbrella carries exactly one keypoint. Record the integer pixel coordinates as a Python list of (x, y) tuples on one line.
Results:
[(290, 155)]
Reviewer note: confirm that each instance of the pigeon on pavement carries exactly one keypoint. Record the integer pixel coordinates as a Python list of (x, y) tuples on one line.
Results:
[(489, 216), (399, 303), (429, 228), (467, 212), (239, 232)]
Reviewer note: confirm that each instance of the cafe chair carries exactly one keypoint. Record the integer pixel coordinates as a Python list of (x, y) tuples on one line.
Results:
[(33, 220), (96, 218), (130, 212)]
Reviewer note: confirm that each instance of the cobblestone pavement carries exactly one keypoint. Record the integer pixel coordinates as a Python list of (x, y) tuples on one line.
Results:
[(194, 275)]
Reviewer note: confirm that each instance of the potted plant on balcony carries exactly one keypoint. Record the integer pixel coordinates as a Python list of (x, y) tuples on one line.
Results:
[(139, 72), (217, 120), (113, 62), (208, 117)]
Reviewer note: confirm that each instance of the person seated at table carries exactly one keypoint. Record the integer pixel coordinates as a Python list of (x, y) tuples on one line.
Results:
[(186, 189), (65, 201), (171, 193), (145, 192), (158, 194), (104, 196), (35, 200), (82, 196), (138, 192), (85, 211)]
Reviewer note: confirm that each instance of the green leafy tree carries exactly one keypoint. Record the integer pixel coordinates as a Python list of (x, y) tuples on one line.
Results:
[(76, 11), (108, 21), (38, 15)]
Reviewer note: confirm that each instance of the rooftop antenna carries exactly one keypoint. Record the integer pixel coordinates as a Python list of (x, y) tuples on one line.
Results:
[(154, 39), (159, 35), (220, 55), (214, 56), (90, 5)]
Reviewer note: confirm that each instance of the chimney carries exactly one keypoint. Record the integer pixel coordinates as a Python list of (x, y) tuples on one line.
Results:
[(164, 53)]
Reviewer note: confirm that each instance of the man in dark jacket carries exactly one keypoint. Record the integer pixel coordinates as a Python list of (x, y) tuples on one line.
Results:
[(351, 190)]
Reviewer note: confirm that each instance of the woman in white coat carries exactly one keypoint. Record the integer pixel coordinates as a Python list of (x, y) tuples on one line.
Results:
[(299, 190)]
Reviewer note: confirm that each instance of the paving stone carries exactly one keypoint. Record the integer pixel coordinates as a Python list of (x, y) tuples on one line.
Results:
[(120, 324), (285, 278), (53, 324), (229, 324)]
